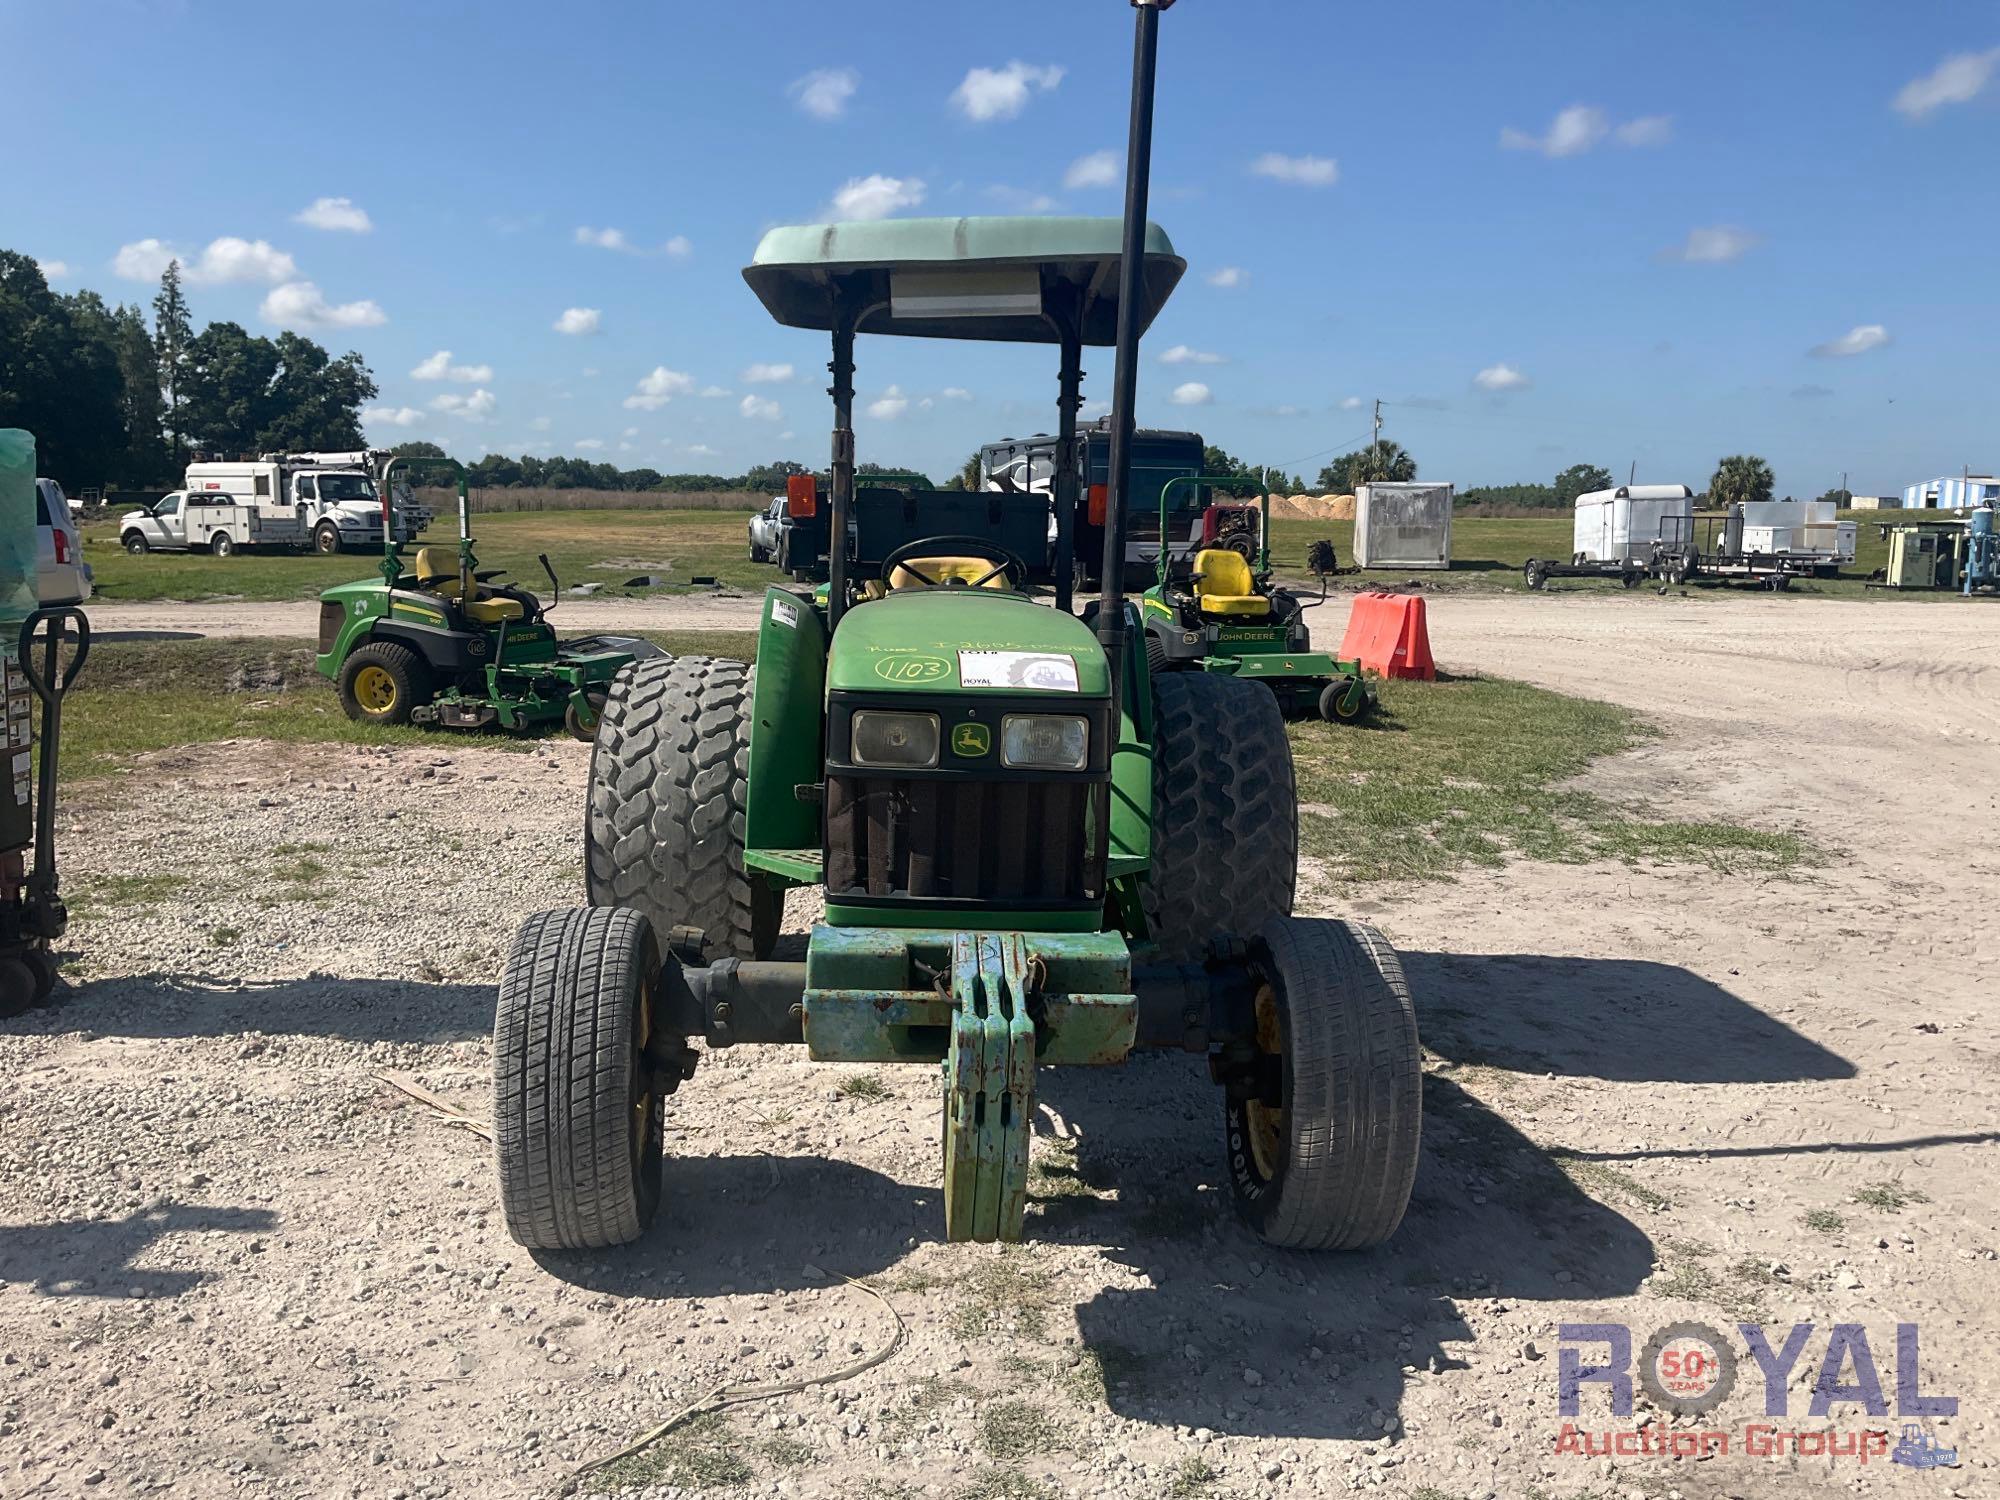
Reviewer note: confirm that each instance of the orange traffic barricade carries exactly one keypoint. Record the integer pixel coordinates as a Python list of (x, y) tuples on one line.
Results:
[(1388, 635)]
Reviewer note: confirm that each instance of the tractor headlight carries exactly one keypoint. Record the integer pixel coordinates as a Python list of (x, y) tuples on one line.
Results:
[(1048, 742), (894, 739)]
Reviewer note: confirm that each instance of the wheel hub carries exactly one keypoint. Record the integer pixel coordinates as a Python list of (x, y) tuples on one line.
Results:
[(1264, 1123), (375, 689)]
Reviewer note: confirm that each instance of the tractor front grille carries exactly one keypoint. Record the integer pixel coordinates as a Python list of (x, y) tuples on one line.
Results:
[(954, 838)]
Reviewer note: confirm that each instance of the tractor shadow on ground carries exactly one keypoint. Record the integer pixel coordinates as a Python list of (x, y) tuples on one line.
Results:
[(93, 1257), (207, 1005), (756, 1223), (1222, 1331), (1619, 1019)]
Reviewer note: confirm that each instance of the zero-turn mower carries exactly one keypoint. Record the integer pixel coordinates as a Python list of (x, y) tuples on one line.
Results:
[(1034, 850)]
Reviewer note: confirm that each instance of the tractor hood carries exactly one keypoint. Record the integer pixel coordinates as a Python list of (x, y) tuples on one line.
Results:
[(962, 639)]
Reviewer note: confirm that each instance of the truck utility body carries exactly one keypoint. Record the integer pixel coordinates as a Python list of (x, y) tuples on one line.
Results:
[(330, 498), (206, 521)]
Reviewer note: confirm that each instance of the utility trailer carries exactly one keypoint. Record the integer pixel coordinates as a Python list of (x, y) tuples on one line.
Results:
[(1629, 534)]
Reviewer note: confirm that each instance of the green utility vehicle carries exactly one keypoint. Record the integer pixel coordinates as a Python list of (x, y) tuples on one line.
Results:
[(1034, 851), (1216, 611), (446, 643)]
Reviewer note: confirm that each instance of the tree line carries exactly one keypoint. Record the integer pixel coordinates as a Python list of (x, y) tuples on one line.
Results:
[(116, 404), (555, 472)]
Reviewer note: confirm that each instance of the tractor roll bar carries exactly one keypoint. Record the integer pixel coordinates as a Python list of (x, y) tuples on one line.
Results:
[(1216, 481), (392, 550)]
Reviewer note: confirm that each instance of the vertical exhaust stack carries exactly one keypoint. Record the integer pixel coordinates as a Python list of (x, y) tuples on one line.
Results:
[(1111, 630)]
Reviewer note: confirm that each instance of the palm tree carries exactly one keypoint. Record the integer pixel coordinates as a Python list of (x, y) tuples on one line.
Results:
[(1381, 462), (1741, 476)]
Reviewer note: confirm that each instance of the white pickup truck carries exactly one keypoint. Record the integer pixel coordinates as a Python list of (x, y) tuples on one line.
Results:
[(206, 521)]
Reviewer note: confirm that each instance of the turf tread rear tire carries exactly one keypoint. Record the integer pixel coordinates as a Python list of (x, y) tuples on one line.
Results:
[(1353, 1091), (668, 811), (563, 1059), (1225, 814)]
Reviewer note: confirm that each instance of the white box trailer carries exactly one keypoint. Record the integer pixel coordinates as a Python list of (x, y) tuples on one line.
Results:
[(1632, 523), (1405, 525)]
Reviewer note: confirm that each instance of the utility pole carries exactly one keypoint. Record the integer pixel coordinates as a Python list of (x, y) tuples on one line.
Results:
[(1631, 473), (1378, 419)]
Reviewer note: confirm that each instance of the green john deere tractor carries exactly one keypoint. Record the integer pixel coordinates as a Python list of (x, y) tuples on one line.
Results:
[(1214, 609), (1034, 851), (446, 643)]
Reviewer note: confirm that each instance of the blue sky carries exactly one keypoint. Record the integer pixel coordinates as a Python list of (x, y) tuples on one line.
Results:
[(1543, 233)]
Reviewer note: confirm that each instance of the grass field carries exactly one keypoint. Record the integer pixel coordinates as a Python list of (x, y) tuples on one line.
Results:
[(607, 547), (1460, 772)]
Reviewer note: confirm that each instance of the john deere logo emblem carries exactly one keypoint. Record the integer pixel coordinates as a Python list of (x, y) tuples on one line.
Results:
[(971, 739)]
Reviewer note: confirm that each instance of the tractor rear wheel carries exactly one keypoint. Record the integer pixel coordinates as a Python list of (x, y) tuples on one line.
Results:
[(1225, 819), (1323, 1145), (668, 812), (381, 681), (576, 1105)]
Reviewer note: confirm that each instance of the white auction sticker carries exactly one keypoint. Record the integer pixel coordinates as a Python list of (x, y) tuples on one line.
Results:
[(1039, 671), (785, 614)]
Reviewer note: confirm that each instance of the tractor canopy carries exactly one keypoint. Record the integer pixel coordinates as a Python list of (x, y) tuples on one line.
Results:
[(1014, 280)]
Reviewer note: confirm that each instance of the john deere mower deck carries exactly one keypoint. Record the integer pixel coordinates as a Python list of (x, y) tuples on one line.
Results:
[(446, 643), (1035, 850)]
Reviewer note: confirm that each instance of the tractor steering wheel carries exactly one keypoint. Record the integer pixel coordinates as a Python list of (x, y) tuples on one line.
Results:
[(1003, 560)]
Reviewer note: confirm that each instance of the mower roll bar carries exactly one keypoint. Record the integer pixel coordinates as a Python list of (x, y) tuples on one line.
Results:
[(1217, 482), (392, 551)]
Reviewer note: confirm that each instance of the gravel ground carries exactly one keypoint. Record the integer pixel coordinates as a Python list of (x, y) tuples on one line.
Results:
[(233, 1262)]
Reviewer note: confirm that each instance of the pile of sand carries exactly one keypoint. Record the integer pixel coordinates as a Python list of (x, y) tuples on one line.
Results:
[(1313, 507)]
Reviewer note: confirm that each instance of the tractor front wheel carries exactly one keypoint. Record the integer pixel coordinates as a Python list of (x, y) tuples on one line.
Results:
[(1225, 817), (577, 1123), (381, 681), (669, 804), (1323, 1131)]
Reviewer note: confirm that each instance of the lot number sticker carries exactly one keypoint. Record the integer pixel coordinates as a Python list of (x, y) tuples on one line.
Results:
[(1039, 671)]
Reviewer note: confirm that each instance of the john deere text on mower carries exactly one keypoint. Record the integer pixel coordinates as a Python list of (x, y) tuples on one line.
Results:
[(1214, 609), (447, 644), (1035, 852)]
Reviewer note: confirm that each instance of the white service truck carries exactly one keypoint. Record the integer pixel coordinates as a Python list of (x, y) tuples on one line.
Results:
[(325, 501)]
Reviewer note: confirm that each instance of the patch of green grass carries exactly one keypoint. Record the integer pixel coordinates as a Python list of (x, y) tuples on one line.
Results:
[(862, 1086), (702, 1454), (224, 937), (1193, 1476), (878, 1488), (1003, 1292), (1015, 1427), (141, 696), (788, 1452), (1428, 1492), (1101, 1369), (996, 1483), (300, 870), (1475, 771), (1688, 1282), (1598, 1180), (1825, 1220), (125, 890), (919, 1401), (1053, 1172), (1890, 1197)]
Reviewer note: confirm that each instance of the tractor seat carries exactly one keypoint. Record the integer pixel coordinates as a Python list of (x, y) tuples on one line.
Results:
[(948, 570), (1224, 585), (484, 607)]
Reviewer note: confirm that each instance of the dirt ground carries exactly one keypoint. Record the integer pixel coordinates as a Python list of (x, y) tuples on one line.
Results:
[(231, 1262)]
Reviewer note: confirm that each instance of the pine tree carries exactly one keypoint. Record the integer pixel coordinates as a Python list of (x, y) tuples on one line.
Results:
[(173, 330)]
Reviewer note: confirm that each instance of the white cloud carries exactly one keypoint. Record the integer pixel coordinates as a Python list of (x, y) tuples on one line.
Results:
[(300, 304), (1303, 171), (701, 450), (761, 408), (1716, 244), (1002, 93), (579, 320), (605, 239), (630, 432), (1288, 411), (1351, 403), (440, 367), (334, 213), (226, 259), (824, 92), (1647, 130), (1501, 378), (678, 247), (876, 196), (955, 393), (588, 445), (1228, 277), (1099, 169), (540, 424), (890, 405), (474, 408), (657, 389), (1959, 78), (53, 270), (926, 404), (1575, 130), (762, 374), (1194, 393), (1858, 340), (391, 416), (1182, 354), (712, 392)]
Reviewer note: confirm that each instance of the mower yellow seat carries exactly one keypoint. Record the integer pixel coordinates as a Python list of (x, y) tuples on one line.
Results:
[(947, 571), (1223, 584), (440, 564)]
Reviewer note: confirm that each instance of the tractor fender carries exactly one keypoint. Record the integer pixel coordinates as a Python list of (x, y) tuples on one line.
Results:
[(787, 724), (450, 653)]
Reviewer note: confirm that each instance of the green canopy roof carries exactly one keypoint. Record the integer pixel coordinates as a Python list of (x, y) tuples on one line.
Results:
[(959, 278)]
